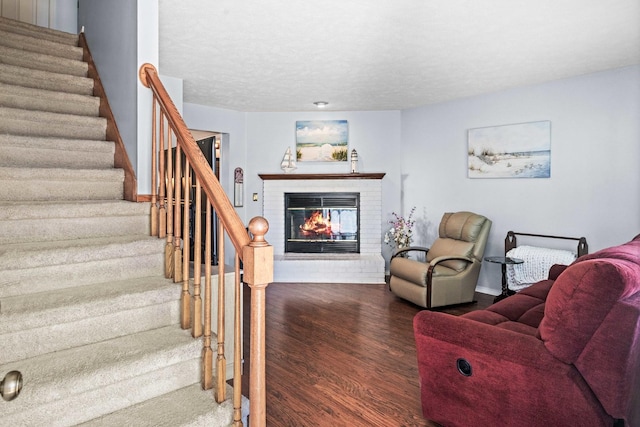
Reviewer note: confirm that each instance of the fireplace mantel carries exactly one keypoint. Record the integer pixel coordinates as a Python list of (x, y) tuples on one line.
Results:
[(291, 176)]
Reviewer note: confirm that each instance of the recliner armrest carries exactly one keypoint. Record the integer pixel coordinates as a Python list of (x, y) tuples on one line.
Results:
[(399, 251), (443, 258), (434, 262)]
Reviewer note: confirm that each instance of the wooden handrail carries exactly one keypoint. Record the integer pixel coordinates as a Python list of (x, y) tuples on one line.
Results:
[(211, 186)]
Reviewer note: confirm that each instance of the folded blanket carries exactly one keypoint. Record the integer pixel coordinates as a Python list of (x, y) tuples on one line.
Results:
[(537, 262)]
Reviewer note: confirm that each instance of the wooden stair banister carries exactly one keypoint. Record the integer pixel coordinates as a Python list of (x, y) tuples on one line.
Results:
[(210, 184), (172, 193)]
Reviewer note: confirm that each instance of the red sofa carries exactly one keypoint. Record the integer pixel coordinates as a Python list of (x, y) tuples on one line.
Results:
[(563, 352)]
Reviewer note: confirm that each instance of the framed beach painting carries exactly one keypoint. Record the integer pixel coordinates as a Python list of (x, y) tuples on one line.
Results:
[(520, 150), (322, 140)]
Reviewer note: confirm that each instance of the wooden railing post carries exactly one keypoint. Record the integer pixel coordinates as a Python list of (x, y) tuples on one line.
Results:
[(168, 249), (177, 216), (237, 346), (185, 296), (258, 273), (207, 351), (196, 307), (154, 172), (221, 361)]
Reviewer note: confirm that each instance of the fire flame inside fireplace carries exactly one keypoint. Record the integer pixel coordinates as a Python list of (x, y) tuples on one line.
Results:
[(316, 224)]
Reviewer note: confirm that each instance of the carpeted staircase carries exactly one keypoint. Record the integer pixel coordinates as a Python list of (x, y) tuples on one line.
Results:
[(85, 312)]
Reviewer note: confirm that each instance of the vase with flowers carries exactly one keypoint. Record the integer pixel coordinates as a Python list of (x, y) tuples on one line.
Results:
[(400, 234)]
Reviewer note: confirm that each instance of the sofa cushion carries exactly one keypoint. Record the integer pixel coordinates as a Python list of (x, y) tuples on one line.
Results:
[(521, 312)]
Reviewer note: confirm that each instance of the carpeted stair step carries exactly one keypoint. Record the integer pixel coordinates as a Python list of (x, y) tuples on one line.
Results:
[(41, 33), (16, 121), (45, 266), (35, 324), (72, 386), (47, 80), (20, 151), (187, 407), (24, 184), (26, 98), (38, 45), (47, 221), (41, 61)]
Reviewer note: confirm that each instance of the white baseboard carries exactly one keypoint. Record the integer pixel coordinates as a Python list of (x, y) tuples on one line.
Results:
[(487, 290)]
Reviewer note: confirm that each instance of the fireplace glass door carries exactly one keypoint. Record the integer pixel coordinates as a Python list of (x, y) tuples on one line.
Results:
[(322, 222)]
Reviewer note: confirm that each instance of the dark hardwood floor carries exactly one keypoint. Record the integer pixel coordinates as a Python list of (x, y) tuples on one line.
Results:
[(341, 355)]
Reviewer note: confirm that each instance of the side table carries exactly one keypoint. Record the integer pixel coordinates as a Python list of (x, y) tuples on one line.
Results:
[(504, 261)]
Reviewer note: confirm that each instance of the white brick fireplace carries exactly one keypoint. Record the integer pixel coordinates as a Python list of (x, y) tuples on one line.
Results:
[(364, 267)]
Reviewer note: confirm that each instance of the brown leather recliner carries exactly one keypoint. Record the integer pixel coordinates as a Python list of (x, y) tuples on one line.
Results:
[(450, 273)]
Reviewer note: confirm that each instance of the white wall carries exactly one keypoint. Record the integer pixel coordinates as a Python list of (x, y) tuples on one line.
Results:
[(233, 148), (122, 35), (65, 17), (148, 51), (111, 32), (375, 135), (57, 14), (594, 188)]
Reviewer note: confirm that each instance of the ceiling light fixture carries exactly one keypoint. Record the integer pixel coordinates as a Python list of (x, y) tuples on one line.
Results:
[(321, 104)]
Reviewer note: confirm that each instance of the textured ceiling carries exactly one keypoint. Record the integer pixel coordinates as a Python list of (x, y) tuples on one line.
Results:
[(282, 55)]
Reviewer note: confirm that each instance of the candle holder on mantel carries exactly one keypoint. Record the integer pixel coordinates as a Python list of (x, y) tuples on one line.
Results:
[(354, 161)]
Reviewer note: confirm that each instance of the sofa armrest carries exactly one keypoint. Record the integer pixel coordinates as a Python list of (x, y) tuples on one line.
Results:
[(555, 271), (472, 336), (512, 377)]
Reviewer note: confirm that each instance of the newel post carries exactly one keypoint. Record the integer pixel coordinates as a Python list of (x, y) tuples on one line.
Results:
[(258, 273)]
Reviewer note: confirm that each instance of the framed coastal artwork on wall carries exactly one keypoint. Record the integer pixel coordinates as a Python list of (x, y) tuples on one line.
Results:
[(520, 150), (322, 140)]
